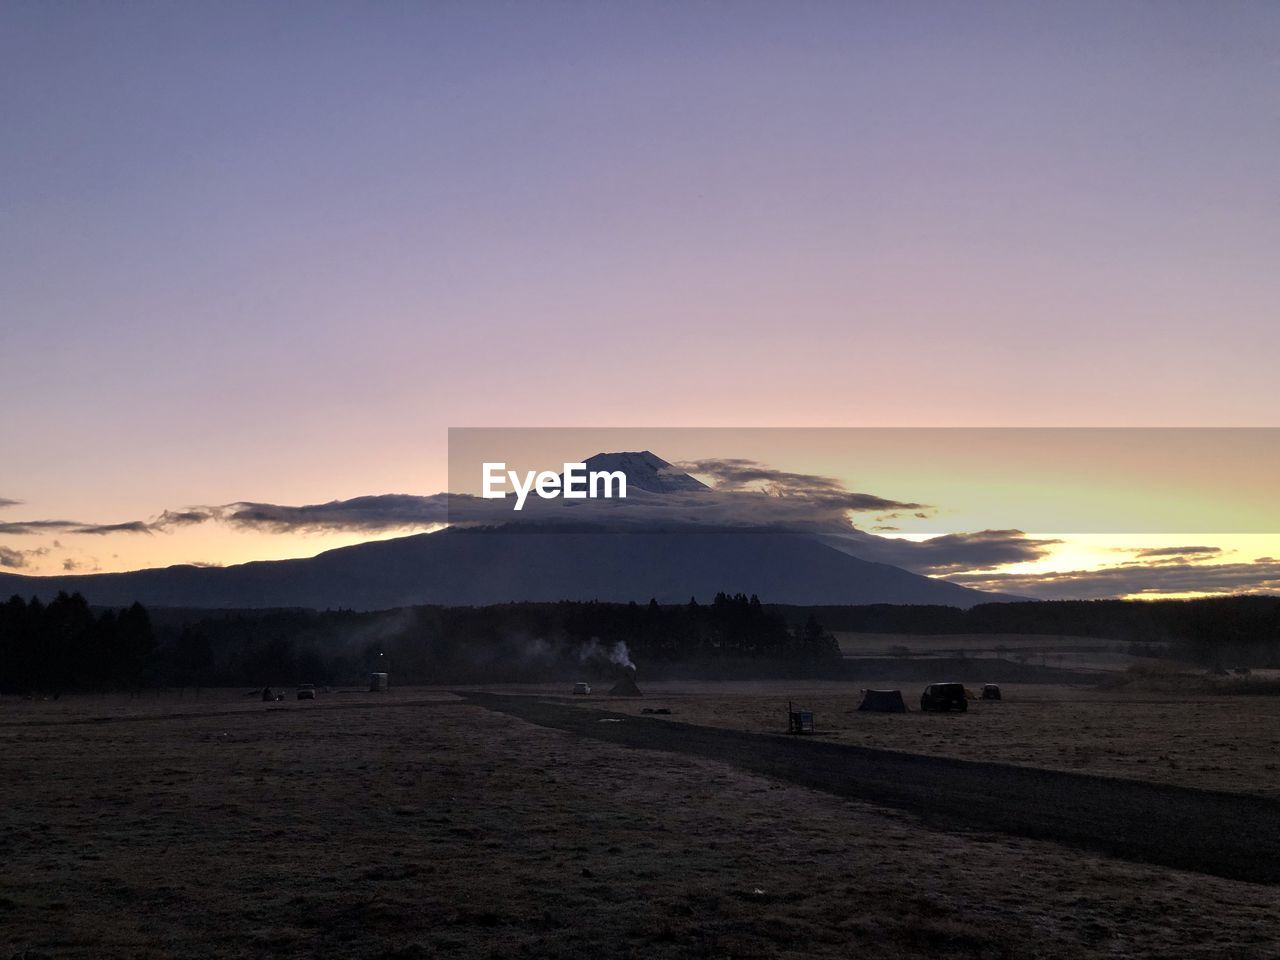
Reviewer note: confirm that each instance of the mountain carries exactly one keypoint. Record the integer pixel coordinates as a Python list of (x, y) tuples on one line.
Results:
[(473, 567), (466, 567), (646, 471)]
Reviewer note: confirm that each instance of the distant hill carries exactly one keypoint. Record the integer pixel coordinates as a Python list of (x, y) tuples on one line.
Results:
[(462, 567)]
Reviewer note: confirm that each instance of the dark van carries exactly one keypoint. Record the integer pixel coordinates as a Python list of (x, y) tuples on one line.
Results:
[(941, 697)]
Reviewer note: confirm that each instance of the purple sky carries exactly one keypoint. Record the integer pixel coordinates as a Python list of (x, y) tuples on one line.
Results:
[(254, 251)]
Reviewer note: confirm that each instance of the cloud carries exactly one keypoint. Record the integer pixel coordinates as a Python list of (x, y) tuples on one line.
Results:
[(24, 527), (17, 559), (946, 554), (166, 520), (1176, 551), (182, 518), (71, 565), (1262, 576), (1175, 555), (6, 502), (746, 494), (645, 512), (737, 476), (372, 514), (101, 529)]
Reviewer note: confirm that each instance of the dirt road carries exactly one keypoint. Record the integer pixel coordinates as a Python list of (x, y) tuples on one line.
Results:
[(1224, 834)]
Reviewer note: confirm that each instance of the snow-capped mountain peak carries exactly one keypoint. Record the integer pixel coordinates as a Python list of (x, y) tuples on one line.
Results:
[(645, 471)]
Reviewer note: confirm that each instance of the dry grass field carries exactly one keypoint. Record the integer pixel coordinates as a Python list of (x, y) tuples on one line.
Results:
[(417, 824), (1088, 654), (1189, 739)]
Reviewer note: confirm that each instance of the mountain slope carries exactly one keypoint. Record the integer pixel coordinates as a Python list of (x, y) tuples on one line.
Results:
[(454, 567), (513, 563)]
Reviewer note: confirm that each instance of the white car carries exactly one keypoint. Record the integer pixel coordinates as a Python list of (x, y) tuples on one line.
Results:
[(581, 689)]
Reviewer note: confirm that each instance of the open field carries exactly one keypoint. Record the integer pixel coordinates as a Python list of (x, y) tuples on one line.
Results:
[(417, 824), (1124, 818), (1064, 652), (1224, 742)]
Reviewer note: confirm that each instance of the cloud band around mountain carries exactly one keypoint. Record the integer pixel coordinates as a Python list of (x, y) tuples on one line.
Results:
[(370, 514), (730, 475), (744, 495)]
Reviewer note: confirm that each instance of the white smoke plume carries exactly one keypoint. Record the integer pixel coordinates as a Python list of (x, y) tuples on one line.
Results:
[(616, 653)]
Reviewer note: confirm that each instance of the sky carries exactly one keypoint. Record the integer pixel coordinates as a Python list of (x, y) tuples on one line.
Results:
[(272, 252)]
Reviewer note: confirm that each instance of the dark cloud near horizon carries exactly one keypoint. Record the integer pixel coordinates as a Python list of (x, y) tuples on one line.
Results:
[(24, 527), (6, 502), (167, 519), (17, 559), (179, 518), (1173, 556), (1261, 576), (1176, 553), (948, 553), (371, 514), (101, 529)]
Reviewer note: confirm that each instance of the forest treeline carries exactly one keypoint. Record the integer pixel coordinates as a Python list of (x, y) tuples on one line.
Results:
[(66, 645), (1206, 631), (526, 641)]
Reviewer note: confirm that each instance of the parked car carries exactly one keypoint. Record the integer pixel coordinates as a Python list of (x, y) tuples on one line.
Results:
[(941, 697), (307, 691), (581, 689), (990, 691)]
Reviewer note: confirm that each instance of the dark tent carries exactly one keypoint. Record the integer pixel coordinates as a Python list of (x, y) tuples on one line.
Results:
[(883, 701), (626, 687)]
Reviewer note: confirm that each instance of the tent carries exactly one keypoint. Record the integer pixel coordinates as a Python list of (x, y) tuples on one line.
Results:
[(883, 701), (626, 687)]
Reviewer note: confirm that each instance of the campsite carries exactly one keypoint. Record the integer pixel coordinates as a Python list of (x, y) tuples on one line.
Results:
[(426, 821), (557, 480)]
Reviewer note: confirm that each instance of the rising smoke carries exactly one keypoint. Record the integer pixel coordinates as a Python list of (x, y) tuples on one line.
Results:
[(615, 653)]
